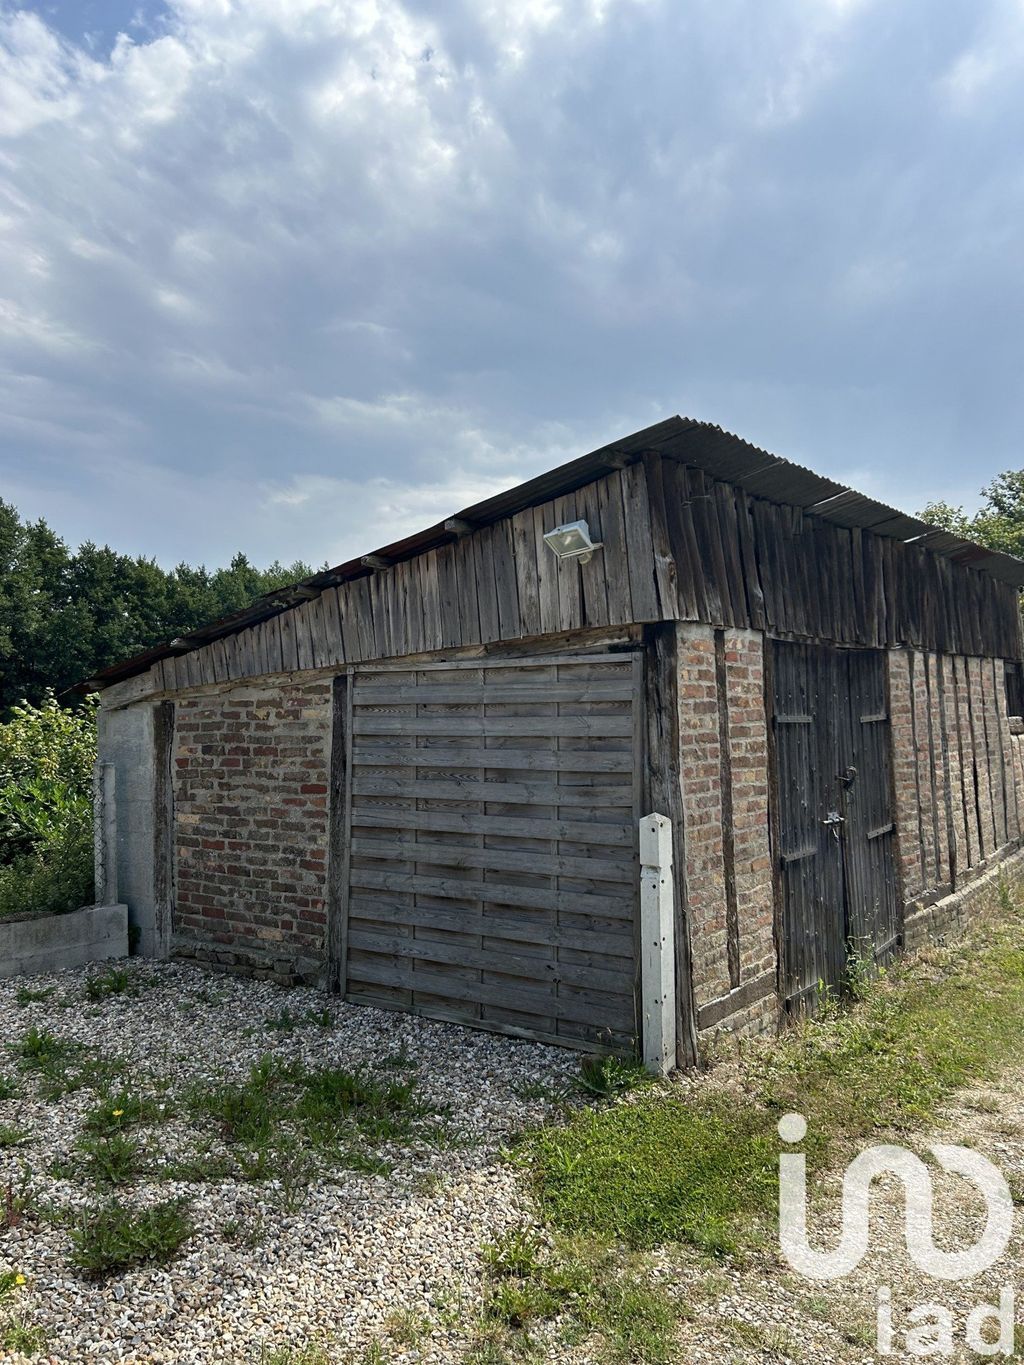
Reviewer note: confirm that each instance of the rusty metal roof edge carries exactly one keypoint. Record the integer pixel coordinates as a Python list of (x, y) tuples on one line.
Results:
[(674, 437)]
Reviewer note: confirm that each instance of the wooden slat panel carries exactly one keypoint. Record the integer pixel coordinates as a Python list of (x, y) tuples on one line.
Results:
[(459, 847), (533, 760), (515, 793), (581, 933)]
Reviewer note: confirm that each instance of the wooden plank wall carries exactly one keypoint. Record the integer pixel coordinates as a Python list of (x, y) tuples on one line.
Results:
[(491, 844), (954, 759), (677, 546)]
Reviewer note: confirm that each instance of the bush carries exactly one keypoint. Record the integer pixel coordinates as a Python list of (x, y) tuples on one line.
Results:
[(56, 876), (46, 847)]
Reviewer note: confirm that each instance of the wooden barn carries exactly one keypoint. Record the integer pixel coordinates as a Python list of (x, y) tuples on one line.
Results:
[(419, 778)]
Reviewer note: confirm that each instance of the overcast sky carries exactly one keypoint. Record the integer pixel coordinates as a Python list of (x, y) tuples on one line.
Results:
[(299, 276)]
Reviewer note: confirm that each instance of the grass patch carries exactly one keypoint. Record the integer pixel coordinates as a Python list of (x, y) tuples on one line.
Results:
[(654, 1169), (112, 1237), (282, 1120), (594, 1290), (62, 1066), (11, 1136)]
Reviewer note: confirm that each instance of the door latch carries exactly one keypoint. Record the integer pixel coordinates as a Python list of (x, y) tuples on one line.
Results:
[(833, 820)]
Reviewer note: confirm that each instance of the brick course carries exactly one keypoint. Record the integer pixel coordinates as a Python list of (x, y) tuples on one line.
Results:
[(250, 803)]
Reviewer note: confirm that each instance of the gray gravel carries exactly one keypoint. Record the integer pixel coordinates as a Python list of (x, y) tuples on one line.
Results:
[(360, 1247)]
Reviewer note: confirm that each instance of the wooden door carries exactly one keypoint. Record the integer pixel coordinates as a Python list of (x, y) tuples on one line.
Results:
[(833, 821), (491, 866)]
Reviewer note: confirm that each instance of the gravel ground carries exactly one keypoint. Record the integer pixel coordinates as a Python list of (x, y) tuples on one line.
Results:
[(257, 1275), (367, 1262)]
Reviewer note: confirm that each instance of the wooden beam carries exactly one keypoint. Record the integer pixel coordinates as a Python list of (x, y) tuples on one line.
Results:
[(665, 793)]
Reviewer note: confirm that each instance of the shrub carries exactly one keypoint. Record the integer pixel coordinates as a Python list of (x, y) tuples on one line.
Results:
[(46, 851)]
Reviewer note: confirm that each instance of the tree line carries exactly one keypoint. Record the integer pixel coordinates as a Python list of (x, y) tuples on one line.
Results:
[(65, 614)]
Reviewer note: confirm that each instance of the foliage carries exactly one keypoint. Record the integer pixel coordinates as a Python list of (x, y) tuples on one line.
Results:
[(999, 524), (653, 1169), (46, 846), (64, 614), (113, 1237), (56, 877), (608, 1075)]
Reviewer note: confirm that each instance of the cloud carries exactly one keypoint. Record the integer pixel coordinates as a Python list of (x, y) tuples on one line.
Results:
[(264, 254)]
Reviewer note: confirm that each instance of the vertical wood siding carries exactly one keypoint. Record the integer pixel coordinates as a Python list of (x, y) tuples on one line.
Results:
[(678, 545)]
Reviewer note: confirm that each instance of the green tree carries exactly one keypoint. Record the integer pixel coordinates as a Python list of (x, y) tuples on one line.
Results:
[(65, 615), (998, 524)]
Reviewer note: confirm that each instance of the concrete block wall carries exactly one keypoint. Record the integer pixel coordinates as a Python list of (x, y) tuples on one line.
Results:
[(250, 781), (724, 772), (956, 773)]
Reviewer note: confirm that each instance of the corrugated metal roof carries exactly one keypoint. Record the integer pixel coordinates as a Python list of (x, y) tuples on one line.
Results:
[(700, 445)]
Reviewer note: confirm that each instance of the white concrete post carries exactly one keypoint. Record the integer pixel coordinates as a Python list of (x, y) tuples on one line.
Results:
[(104, 815), (657, 945)]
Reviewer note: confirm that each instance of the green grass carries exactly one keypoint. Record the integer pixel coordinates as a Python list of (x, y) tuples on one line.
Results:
[(111, 1237), (654, 1169), (594, 1291), (283, 1123), (11, 1136)]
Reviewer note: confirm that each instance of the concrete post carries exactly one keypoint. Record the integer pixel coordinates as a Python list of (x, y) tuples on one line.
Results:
[(104, 815), (657, 945)]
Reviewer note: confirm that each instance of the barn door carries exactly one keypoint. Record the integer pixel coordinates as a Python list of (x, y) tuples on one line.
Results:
[(491, 872), (833, 820)]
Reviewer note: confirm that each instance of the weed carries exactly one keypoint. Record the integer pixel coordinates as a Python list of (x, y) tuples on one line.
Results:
[(38, 1047), (400, 1060), (114, 982), (357, 1159), (8, 1089), (124, 1109), (26, 996), (406, 1327), (610, 1075), (18, 1198), (112, 1237), (334, 1098), (19, 1338), (200, 1168), (516, 1255), (594, 1289), (242, 1232), (289, 1355), (11, 1136), (112, 1160), (537, 1090)]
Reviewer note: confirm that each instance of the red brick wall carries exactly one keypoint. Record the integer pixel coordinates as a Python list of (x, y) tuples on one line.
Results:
[(713, 707), (748, 749), (250, 810)]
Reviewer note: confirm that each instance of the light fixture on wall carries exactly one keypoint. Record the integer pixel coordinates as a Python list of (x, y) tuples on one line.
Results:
[(572, 541)]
